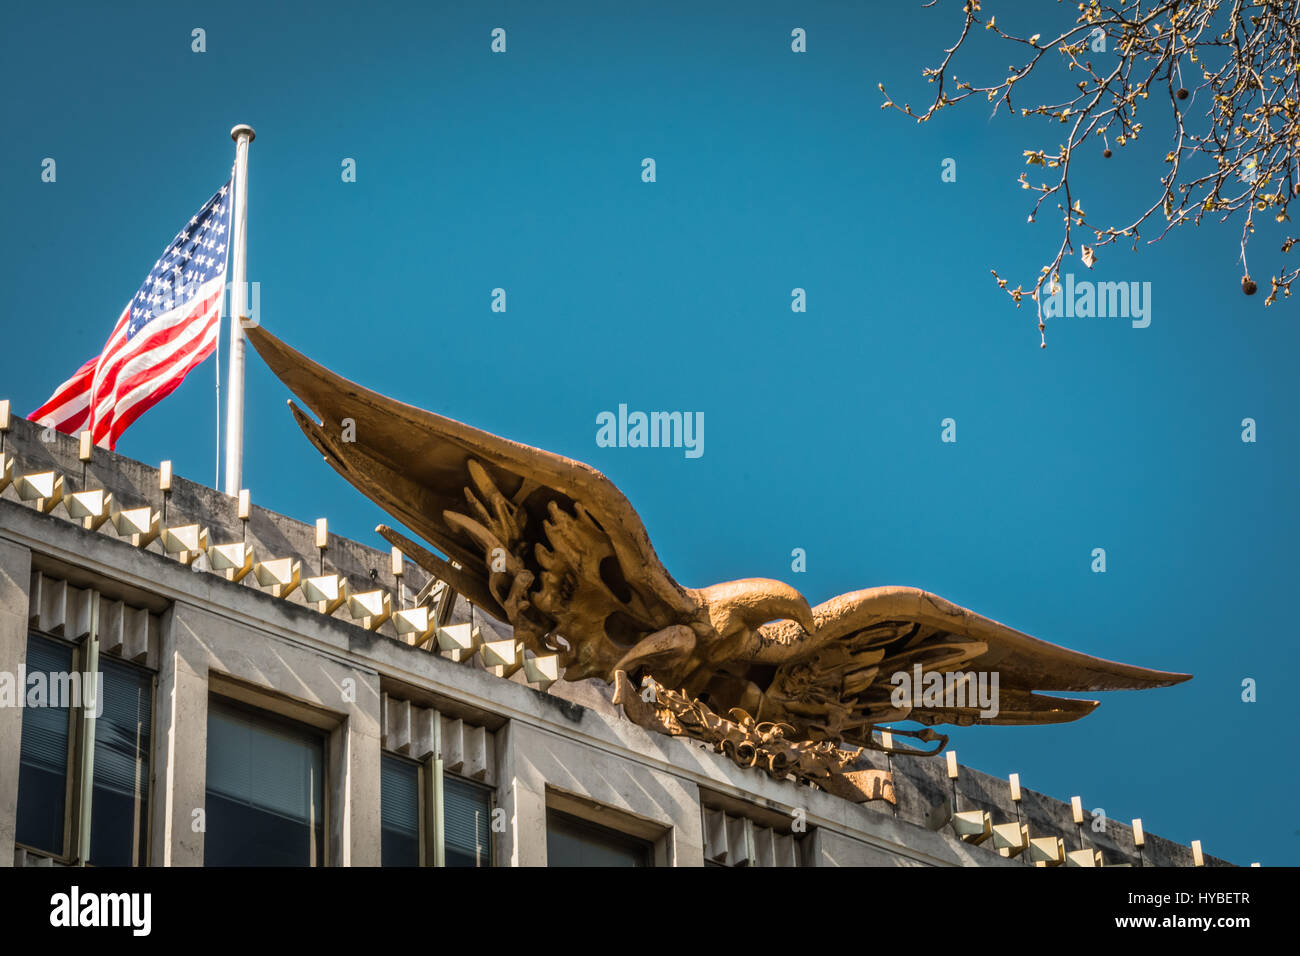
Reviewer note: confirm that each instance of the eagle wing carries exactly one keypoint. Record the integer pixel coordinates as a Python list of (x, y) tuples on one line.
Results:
[(837, 681), (545, 542), (552, 546)]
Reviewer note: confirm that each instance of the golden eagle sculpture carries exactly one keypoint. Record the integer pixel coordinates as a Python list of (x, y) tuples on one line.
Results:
[(551, 546)]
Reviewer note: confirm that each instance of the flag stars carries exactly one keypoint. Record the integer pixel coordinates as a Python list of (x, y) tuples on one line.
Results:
[(185, 264)]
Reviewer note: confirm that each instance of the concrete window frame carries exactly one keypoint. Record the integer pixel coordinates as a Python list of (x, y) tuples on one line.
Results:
[(657, 836), (332, 728)]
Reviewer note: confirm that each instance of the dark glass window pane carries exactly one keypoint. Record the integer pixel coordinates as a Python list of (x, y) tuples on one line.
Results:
[(43, 764), (120, 802), (574, 842), (265, 804), (399, 801), (465, 815)]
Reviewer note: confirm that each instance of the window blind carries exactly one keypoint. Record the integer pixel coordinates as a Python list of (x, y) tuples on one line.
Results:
[(399, 803), (120, 800), (45, 729), (43, 760), (265, 794), (264, 766), (465, 818)]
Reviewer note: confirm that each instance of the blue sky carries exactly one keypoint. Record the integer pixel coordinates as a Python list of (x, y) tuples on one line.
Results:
[(774, 171)]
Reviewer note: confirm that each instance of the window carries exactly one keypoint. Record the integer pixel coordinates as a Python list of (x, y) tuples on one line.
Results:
[(265, 794), (399, 798), (104, 819), (46, 749), (465, 814), (406, 836), (572, 841), (119, 804)]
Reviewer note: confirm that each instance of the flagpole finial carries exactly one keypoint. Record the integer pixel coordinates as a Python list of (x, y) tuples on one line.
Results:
[(240, 130)]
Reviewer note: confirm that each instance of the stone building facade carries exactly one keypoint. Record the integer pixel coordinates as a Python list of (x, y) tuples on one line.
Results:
[(267, 700)]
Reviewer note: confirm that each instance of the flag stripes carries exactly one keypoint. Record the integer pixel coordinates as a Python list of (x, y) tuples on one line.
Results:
[(169, 327)]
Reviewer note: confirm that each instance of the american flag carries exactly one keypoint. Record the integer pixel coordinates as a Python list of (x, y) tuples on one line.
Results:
[(169, 326)]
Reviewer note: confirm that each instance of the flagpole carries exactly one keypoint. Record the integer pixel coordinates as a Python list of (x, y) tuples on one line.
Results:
[(242, 135)]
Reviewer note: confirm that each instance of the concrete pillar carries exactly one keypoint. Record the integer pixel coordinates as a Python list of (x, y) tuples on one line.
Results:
[(15, 579), (179, 744), (355, 761), (522, 794)]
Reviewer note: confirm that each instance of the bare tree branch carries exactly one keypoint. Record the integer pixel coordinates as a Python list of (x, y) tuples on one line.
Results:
[(1242, 61)]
